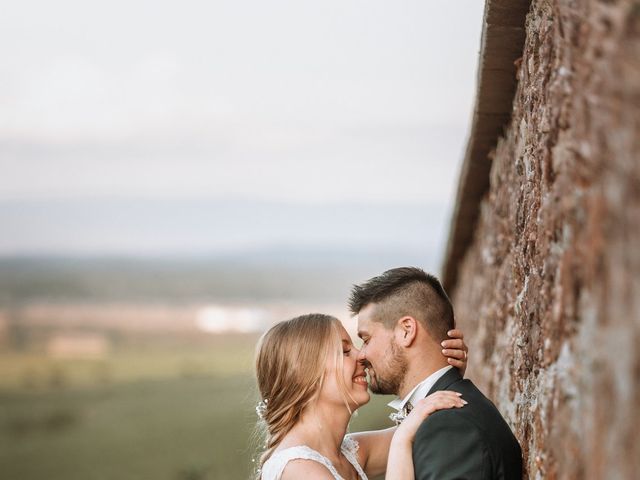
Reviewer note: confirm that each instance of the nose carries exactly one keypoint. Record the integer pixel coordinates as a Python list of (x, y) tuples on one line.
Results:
[(362, 357)]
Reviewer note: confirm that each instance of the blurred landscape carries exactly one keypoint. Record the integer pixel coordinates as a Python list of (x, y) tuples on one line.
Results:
[(128, 324), (169, 192), (137, 368)]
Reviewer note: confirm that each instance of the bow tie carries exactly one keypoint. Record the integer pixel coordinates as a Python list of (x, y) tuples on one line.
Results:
[(400, 415)]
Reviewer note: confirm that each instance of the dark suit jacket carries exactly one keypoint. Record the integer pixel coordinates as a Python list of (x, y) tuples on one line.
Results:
[(473, 442)]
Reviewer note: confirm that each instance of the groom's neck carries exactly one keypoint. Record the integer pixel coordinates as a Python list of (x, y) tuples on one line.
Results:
[(423, 365)]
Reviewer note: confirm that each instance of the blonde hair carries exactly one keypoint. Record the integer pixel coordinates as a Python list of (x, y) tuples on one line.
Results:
[(290, 370)]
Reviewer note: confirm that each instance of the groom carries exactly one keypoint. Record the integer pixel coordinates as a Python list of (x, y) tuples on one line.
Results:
[(403, 316)]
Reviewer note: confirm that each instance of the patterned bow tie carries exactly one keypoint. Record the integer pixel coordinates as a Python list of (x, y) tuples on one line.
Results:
[(400, 415)]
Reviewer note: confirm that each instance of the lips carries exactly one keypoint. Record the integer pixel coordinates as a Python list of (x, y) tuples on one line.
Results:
[(360, 379)]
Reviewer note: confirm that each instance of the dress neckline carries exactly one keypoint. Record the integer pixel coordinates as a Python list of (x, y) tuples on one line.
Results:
[(349, 449)]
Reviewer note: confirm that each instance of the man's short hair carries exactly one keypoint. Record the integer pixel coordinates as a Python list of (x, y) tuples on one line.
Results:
[(406, 291)]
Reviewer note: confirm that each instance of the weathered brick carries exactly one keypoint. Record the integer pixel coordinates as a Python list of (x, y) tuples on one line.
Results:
[(549, 290)]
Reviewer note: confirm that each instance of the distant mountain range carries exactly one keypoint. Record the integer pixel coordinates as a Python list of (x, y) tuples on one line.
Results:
[(291, 275), (199, 249)]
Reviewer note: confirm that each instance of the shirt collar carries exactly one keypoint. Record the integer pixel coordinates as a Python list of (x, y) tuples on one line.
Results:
[(420, 390)]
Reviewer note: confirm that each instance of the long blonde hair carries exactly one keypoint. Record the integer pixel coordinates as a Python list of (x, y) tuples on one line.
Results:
[(290, 369)]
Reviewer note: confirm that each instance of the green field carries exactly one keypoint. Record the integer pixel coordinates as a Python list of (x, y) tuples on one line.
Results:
[(180, 415), (158, 403)]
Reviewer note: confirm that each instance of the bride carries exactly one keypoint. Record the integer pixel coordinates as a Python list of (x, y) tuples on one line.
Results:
[(311, 383)]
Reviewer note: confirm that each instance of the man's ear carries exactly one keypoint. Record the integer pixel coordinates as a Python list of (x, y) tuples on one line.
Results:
[(406, 331)]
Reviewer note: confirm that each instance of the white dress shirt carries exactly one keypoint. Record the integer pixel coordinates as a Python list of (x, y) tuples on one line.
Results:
[(419, 391)]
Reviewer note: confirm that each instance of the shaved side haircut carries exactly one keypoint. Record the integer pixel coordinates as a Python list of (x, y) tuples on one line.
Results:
[(406, 291)]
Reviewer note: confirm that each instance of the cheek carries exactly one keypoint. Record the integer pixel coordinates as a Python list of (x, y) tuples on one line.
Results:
[(373, 351), (329, 386), (349, 367), (380, 354)]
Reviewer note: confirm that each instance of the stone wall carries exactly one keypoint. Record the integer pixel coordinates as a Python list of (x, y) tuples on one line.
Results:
[(548, 293)]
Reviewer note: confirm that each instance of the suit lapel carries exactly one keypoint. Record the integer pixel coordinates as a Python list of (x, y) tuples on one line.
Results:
[(452, 376)]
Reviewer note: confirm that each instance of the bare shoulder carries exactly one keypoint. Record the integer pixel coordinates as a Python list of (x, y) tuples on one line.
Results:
[(301, 468), (372, 449)]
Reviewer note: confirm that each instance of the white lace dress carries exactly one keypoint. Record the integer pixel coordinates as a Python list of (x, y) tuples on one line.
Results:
[(273, 468)]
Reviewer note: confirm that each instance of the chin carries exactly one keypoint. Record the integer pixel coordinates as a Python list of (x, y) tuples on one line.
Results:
[(374, 387), (361, 399)]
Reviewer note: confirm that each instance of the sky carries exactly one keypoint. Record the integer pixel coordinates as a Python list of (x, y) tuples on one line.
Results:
[(283, 103)]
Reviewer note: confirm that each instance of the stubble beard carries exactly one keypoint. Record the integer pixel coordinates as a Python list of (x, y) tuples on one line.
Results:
[(390, 382)]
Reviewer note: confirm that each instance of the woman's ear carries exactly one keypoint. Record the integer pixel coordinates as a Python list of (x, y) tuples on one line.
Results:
[(406, 331)]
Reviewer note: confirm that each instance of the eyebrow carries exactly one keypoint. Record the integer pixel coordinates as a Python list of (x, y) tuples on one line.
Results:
[(346, 342)]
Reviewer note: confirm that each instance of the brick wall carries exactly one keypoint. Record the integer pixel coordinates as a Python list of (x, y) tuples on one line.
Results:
[(549, 291)]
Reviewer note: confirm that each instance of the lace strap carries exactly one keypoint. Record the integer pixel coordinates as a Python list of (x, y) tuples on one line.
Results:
[(349, 449), (273, 468)]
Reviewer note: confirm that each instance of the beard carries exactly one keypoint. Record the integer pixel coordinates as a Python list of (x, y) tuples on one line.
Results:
[(388, 380)]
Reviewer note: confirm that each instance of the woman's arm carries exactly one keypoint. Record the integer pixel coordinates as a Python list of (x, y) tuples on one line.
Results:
[(373, 450), (400, 463), (390, 449)]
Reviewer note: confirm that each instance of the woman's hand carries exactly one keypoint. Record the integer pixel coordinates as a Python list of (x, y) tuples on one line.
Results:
[(456, 350), (400, 461), (441, 400)]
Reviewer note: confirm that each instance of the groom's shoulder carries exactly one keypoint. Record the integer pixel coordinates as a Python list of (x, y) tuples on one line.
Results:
[(472, 426), (480, 414), (472, 394), (449, 427), (479, 419), (449, 418)]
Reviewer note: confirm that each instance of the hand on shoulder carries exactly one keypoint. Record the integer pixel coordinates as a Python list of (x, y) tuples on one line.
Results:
[(441, 400)]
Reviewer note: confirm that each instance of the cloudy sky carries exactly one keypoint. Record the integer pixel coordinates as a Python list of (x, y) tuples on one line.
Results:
[(332, 104)]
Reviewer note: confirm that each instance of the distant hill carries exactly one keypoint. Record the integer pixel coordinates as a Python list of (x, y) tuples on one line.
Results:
[(176, 249), (260, 275)]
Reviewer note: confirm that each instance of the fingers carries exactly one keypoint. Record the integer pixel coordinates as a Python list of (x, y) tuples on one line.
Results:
[(437, 401), (457, 354), (456, 344), (440, 400), (455, 350), (446, 395), (456, 363), (455, 333)]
